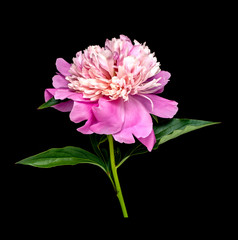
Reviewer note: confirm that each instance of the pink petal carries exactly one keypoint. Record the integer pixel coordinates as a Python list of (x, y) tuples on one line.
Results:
[(63, 93), (59, 81), (63, 66), (124, 137), (135, 50), (79, 97), (109, 115), (137, 122), (49, 93), (64, 106), (159, 106), (149, 141), (81, 111), (85, 129), (163, 81), (125, 38)]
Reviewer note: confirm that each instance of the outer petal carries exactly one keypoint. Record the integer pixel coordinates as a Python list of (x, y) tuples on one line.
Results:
[(49, 93), (149, 141), (159, 106), (85, 129), (162, 107), (137, 122), (109, 116), (59, 81), (81, 111), (63, 93), (63, 66), (164, 78), (64, 106)]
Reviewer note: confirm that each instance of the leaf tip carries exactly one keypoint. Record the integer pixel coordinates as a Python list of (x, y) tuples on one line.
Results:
[(19, 162), (214, 123), (42, 106)]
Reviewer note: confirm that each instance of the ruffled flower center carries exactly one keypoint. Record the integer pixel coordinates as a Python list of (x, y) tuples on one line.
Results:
[(116, 71)]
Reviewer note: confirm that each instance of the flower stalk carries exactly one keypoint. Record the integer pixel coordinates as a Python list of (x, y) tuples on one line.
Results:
[(115, 177)]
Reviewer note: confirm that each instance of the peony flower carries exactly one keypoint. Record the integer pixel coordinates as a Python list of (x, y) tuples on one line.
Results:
[(114, 89)]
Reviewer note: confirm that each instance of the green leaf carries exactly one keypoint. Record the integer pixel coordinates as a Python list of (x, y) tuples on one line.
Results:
[(51, 102), (136, 149), (155, 118), (176, 127), (96, 140), (102, 153), (165, 131), (63, 156)]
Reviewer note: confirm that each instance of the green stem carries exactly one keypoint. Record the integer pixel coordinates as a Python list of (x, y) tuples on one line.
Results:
[(115, 176)]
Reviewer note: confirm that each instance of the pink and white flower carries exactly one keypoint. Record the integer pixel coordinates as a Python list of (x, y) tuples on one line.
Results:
[(113, 89)]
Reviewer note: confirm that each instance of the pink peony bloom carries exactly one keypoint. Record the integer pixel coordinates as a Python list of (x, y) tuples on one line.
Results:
[(114, 89)]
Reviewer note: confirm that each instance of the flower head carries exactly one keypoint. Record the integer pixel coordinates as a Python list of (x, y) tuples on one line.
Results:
[(114, 89)]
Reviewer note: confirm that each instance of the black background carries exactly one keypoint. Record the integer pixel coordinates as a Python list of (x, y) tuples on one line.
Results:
[(186, 181)]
